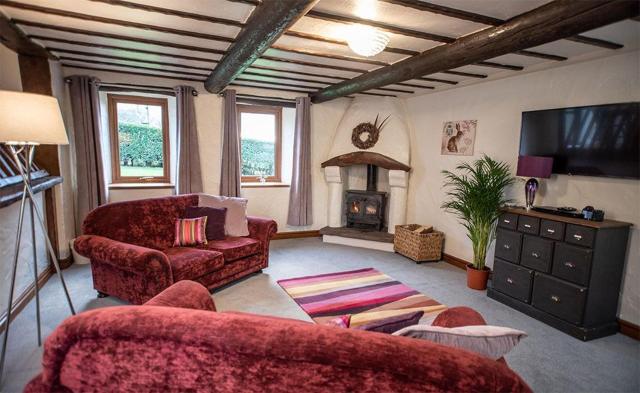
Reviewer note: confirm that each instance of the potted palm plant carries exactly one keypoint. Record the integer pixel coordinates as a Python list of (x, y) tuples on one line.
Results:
[(476, 195)]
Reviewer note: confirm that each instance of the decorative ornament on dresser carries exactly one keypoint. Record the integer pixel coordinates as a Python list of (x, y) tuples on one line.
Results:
[(365, 135), (476, 197), (458, 137)]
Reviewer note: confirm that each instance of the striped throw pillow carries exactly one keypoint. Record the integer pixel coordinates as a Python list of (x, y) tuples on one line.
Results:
[(190, 231)]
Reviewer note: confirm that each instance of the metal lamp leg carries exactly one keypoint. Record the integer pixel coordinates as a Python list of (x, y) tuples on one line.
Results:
[(24, 166)]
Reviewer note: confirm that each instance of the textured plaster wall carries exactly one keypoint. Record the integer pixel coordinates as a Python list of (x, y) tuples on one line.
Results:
[(497, 105)]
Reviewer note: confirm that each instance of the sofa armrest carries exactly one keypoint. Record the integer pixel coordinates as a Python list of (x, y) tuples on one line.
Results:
[(262, 229), (129, 257), (184, 294), (459, 316)]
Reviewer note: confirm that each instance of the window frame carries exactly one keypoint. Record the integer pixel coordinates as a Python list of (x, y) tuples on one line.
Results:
[(113, 100), (263, 109)]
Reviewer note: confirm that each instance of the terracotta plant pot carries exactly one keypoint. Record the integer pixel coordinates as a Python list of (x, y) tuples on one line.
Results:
[(477, 279)]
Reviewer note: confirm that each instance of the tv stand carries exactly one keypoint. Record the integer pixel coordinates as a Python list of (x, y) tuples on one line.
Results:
[(563, 271)]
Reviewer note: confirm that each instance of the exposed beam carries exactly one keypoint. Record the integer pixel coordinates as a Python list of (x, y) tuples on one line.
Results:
[(382, 26), (172, 12), (595, 41), (263, 28), (465, 74), (82, 67), (492, 64), (13, 38), (410, 32), (319, 38), (550, 22), (310, 52), (134, 66), (490, 21), (445, 81), (118, 22)]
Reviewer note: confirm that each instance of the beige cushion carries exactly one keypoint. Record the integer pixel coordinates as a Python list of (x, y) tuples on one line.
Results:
[(236, 223), (491, 341)]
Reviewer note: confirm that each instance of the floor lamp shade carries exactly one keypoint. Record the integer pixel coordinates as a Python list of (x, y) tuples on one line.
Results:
[(31, 118)]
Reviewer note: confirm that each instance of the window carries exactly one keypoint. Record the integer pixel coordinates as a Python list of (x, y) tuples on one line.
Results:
[(260, 141), (139, 133)]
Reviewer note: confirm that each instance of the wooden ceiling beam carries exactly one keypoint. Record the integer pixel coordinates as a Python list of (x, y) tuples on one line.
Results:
[(134, 66), (172, 12), (465, 74), (82, 67), (445, 81), (263, 28), (550, 22), (310, 52), (122, 58), (412, 33), (491, 21), (118, 22), (15, 39), (501, 66)]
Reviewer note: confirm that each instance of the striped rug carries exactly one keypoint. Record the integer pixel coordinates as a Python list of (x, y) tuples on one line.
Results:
[(365, 294)]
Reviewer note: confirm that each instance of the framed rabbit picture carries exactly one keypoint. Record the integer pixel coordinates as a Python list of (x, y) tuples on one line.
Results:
[(458, 137)]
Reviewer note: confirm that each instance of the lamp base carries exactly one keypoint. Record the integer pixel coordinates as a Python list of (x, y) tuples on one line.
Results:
[(530, 188)]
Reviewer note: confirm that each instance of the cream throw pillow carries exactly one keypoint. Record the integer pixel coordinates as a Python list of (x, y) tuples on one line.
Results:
[(491, 341), (236, 223)]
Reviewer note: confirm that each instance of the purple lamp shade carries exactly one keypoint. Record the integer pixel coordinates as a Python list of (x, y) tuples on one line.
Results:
[(535, 166)]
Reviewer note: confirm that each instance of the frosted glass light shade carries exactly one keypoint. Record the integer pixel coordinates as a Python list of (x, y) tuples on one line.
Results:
[(366, 40), (31, 118)]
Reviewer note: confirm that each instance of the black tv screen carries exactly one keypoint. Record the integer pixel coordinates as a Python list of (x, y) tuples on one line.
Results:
[(600, 140)]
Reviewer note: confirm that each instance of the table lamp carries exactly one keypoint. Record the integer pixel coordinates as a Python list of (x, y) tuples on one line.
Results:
[(26, 121), (532, 167)]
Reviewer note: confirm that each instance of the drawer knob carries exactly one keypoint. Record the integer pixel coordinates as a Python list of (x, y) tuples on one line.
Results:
[(552, 231), (527, 226), (555, 299), (507, 221), (577, 237), (570, 265), (506, 246), (509, 280), (535, 255)]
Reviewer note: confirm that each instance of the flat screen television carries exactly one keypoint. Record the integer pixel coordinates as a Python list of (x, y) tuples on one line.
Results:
[(599, 140)]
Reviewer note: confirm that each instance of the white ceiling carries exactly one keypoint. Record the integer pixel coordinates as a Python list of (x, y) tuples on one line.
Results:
[(294, 63)]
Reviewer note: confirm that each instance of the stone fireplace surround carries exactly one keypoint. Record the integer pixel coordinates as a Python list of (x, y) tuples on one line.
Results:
[(343, 170)]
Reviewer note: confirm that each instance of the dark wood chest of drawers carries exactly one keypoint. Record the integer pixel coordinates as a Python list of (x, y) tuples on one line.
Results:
[(565, 272)]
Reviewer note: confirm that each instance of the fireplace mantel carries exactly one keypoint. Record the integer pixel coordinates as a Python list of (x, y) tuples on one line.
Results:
[(366, 157)]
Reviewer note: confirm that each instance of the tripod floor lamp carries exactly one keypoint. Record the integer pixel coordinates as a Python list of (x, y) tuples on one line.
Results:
[(26, 121)]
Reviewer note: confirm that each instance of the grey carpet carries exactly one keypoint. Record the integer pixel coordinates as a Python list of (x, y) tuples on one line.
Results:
[(550, 361)]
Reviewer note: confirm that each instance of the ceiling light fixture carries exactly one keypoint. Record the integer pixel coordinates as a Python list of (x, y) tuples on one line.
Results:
[(366, 40)]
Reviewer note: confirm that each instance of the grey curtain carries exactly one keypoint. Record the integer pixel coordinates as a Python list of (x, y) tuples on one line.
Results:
[(189, 174), (91, 185), (230, 176), (300, 213)]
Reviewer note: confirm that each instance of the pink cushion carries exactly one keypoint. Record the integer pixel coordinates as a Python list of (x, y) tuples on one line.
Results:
[(236, 223), (189, 263), (234, 248), (190, 231)]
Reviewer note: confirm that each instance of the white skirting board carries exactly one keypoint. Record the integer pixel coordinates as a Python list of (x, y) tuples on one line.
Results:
[(347, 241)]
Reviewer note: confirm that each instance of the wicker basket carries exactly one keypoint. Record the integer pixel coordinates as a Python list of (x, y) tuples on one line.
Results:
[(420, 247)]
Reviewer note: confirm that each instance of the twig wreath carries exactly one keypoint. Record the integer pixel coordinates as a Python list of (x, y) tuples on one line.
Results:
[(365, 135)]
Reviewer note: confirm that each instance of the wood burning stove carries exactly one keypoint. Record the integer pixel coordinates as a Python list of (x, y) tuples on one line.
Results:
[(366, 209)]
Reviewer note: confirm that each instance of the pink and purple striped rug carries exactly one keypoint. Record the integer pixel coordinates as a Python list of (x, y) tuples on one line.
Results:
[(365, 294)]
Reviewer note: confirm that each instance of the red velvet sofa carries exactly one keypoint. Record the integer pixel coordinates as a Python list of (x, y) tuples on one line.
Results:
[(130, 245), (175, 342)]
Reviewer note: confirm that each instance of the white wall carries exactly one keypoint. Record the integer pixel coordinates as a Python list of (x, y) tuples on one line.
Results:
[(497, 105), (9, 70), (266, 201)]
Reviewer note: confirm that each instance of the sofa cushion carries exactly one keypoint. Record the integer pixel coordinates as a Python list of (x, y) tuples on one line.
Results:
[(234, 248), (215, 220), (188, 263), (236, 223), (191, 231)]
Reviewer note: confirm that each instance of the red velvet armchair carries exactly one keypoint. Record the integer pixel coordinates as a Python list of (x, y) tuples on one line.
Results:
[(130, 248), (159, 347)]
